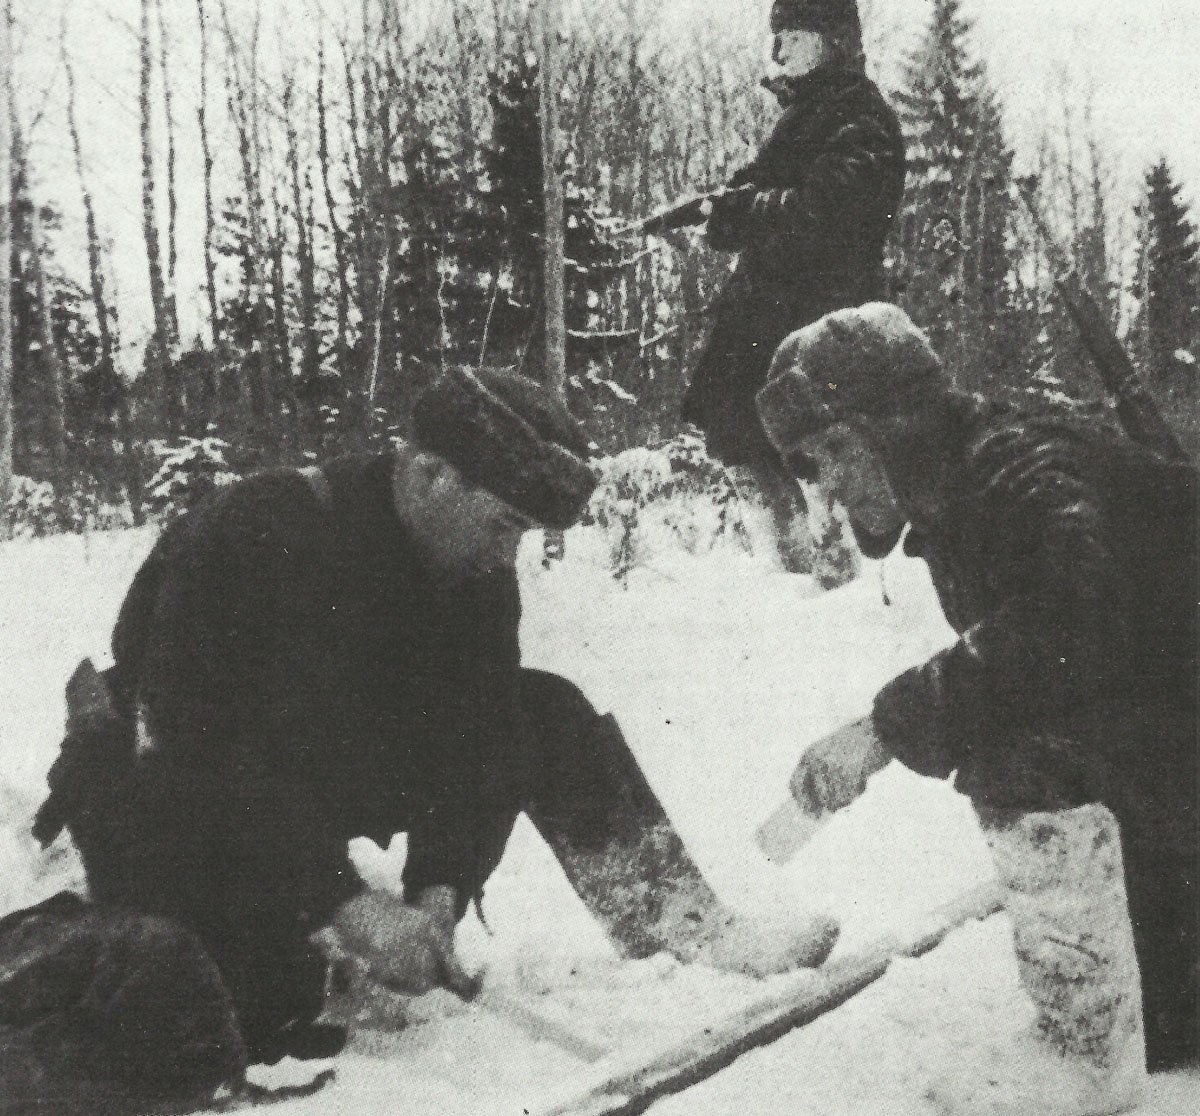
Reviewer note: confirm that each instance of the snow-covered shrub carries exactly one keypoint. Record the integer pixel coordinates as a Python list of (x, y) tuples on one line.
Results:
[(188, 470), (670, 497), (32, 508), (35, 509)]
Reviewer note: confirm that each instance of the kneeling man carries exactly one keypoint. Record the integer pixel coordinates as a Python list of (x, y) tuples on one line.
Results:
[(1066, 559), (312, 656)]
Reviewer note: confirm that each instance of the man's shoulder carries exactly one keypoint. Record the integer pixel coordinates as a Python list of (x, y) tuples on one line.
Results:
[(1000, 433), (853, 95), (1017, 455), (255, 508), (847, 102)]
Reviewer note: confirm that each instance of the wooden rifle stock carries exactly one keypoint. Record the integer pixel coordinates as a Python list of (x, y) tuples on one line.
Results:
[(679, 214)]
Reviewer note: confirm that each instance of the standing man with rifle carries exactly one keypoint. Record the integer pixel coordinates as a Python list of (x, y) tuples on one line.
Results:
[(808, 217), (1066, 558)]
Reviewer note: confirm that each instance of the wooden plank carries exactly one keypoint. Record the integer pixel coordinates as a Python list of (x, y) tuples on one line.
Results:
[(546, 1021), (630, 1088)]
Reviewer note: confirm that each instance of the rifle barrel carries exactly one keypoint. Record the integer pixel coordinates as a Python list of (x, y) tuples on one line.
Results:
[(1136, 408)]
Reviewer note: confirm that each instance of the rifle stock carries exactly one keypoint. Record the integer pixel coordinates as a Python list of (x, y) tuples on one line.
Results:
[(679, 214), (1138, 412)]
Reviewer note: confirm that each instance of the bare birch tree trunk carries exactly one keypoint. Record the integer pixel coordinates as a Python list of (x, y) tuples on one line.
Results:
[(342, 344), (250, 396), (162, 341), (172, 197), (548, 16), (310, 341), (210, 267), (51, 354), (6, 338), (131, 470)]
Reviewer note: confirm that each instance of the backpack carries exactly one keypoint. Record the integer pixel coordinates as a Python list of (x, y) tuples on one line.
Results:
[(106, 1011)]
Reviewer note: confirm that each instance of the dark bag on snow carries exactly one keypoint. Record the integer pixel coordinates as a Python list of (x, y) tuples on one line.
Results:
[(105, 1012)]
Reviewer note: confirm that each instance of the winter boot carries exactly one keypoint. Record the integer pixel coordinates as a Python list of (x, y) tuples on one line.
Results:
[(1064, 884), (593, 806)]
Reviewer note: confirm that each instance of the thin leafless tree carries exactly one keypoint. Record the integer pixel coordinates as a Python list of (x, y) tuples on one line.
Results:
[(6, 331)]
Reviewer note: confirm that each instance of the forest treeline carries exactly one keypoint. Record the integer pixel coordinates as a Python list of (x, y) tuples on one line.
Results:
[(384, 220)]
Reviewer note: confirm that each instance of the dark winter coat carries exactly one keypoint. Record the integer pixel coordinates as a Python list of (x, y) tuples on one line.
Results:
[(1067, 561), (810, 240), (316, 647), (303, 675)]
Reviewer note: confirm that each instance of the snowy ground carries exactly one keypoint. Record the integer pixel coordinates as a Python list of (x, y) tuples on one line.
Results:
[(720, 671)]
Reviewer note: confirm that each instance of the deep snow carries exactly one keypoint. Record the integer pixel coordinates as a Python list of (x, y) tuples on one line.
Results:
[(720, 670)]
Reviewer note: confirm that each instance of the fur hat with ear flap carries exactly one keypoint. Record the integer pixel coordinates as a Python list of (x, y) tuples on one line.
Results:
[(512, 436), (865, 360)]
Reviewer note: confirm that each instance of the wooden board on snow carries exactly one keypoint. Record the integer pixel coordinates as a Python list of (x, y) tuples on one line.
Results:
[(631, 1086)]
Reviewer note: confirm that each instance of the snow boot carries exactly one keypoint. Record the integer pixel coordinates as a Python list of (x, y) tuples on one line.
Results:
[(593, 806), (1064, 884)]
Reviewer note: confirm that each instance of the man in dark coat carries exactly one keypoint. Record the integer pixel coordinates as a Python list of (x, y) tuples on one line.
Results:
[(312, 656), (808, 217), (1066, 558)]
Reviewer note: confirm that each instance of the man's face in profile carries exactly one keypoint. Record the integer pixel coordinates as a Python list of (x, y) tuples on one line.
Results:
[(841, 462)]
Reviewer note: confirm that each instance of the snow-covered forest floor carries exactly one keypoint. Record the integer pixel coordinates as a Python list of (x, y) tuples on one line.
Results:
[(720, 669)]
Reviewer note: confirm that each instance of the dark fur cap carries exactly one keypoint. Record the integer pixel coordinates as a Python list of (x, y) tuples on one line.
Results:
[(512, 436), (814, 15), (865, 360)]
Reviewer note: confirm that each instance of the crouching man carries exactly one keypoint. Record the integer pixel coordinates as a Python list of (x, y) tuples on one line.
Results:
[(312, 656), (1066, 559)]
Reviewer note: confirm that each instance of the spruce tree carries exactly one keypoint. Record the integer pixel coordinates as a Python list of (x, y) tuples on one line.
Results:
[(1168, 325), (34, 403), (1081, 194), (512, 188), (1166, 331), (955, 269)]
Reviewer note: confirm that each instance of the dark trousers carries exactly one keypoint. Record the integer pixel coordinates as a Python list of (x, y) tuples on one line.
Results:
[(248, 864), (586, 795), (1155, 798)]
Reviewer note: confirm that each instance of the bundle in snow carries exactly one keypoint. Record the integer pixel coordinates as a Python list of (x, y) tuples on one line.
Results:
[(106, 1012), (113, 801)]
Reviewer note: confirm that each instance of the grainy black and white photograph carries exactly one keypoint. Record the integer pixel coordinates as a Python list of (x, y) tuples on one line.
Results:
[(591, 557)]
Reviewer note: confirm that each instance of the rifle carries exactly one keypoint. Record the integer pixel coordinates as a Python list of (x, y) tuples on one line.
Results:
[(679, 214), (1138, 412)]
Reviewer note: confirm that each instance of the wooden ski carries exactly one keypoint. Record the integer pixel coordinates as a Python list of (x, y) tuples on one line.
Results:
[(632, 1085)]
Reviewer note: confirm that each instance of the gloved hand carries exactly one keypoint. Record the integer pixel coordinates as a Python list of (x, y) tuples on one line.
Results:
[(729, 215), (834, 771), (410, 948)]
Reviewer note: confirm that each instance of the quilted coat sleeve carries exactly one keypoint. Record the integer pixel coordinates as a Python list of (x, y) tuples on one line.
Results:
[(824, 211), (1044, 647), (472, 755)]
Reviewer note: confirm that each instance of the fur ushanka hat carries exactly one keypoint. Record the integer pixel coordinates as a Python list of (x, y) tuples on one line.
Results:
[(867, 360), (512, 436)]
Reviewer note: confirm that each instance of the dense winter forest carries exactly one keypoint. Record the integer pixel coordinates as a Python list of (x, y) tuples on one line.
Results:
[(386, 219)]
